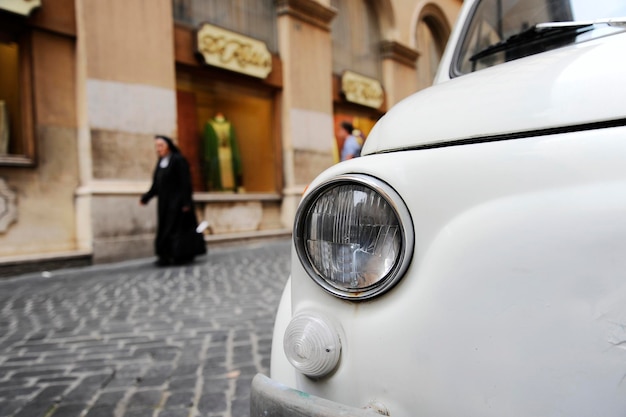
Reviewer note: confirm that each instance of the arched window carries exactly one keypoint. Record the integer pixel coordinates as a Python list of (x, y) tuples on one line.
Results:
[(253, 18), (356, 38), (431, 36)]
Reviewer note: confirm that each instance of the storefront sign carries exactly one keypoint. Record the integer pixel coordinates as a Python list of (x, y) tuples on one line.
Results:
[(23, 7), (225, 49), (362, 90)]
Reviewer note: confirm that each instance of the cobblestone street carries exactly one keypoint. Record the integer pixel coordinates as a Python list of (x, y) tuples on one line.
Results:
[(133, 340)]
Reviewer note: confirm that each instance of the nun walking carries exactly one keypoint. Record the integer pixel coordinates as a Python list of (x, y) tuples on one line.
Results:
[(177, 241)]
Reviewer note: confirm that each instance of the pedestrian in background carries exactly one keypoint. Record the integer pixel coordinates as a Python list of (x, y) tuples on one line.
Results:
[(351, 145), (177, 241)]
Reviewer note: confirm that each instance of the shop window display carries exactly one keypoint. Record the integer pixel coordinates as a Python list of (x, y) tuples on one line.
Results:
[(9, 94), (16, 141), (227, 132)]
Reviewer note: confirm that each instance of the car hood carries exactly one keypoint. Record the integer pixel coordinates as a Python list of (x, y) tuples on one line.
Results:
[(574, 85)]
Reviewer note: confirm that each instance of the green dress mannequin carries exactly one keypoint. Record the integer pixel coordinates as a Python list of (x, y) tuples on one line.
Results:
[(222, 162)]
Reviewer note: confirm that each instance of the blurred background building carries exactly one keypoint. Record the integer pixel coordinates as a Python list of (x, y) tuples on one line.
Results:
[(253, 92)]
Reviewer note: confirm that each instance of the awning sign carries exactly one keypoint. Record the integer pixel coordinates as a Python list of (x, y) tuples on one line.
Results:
[(232, 51), (23, 7), (362, 90)]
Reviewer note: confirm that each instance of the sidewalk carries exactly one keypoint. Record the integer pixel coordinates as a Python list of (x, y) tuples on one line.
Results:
[(133, 340)]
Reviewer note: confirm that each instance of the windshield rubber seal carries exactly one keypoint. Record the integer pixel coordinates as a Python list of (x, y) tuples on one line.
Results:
[(454, 64)]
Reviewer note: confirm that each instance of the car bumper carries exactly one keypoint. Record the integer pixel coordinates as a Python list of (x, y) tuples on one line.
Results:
[(270, 398)]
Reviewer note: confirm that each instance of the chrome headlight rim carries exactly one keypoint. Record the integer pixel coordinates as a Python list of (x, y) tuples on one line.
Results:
[(401, 212)]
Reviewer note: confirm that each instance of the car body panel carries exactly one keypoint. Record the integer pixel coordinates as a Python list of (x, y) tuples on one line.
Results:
[(564, 87), (483, 312), (514, 303)]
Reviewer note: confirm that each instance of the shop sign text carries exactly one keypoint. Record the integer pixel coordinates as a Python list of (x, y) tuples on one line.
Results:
[(229, 50), (362, 90)]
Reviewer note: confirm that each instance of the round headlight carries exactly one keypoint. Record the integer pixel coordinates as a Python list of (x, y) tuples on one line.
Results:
[(354, 236)]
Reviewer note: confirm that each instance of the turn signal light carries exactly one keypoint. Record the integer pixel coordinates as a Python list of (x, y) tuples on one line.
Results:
[(312, 345)]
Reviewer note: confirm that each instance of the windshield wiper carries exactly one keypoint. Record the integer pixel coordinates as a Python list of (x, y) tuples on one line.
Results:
[(544, 31)]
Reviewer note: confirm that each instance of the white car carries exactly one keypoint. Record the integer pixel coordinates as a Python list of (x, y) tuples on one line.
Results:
[(473, 262)]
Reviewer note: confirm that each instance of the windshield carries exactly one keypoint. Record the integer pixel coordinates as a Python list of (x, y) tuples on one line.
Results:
[(503, 30)]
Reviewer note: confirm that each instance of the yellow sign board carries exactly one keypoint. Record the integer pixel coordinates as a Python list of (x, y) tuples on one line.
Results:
[(362, 90), (23, 7), (232, 51)]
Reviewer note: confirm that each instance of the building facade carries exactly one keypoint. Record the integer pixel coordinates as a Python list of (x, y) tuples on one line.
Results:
[(253, 91)]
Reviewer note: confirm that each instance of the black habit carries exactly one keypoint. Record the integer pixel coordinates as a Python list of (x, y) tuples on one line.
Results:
[(176, 240)]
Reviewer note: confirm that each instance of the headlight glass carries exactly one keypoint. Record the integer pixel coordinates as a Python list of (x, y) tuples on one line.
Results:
[(354, 236)]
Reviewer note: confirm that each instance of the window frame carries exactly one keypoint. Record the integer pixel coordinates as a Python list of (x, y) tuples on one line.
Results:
[(27, 157)]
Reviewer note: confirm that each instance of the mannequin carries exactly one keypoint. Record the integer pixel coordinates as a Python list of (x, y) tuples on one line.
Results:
[(222, 162)]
